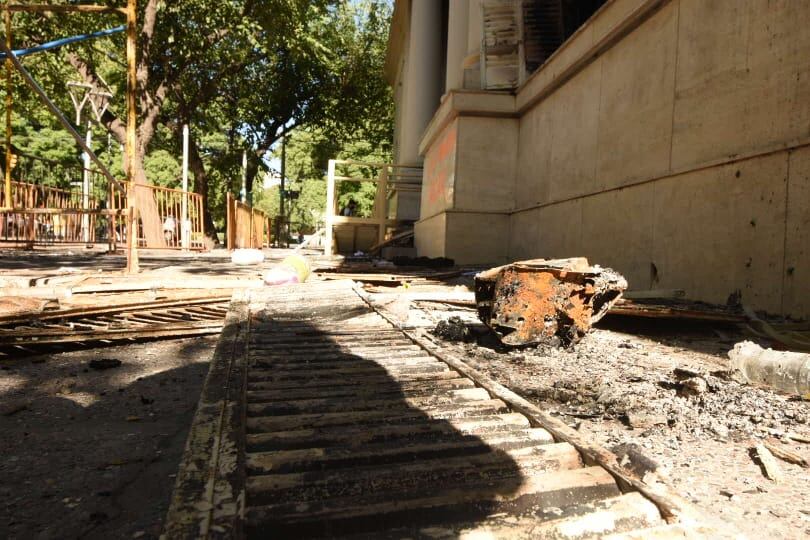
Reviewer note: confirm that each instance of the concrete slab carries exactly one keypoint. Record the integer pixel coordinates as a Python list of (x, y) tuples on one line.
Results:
[(430, 236), (477, 238), (559, 230), (439, 176), (742, 78), (796, 290), (575, 115), (617, 232)]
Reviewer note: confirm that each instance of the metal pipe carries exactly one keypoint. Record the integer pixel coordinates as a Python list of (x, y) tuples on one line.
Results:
[(19, 53), (243, 193), (184, 228), (86, 185), (29, 80), (330, 207)]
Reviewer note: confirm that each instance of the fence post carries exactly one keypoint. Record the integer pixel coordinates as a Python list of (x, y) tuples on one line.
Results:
[(330, 207), (184, 223), (382, 203)]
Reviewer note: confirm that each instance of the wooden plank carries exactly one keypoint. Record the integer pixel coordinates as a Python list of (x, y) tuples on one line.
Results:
[(300, 421), (358, 436), (212, 471), (51, 337), (257, 395), (335, 516), (329, 405), (769, 464), (315, 458), (400, 478)]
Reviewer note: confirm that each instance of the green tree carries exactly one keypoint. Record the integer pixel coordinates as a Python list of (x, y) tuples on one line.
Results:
[(237, 72)]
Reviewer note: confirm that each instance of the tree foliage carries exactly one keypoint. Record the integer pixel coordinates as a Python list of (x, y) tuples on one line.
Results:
[(239, 73)]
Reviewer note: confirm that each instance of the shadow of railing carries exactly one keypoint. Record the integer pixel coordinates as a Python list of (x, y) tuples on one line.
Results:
[(358, 442)]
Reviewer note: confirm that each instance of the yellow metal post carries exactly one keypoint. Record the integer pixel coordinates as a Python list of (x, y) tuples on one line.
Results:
[(9, 103), (131, 141)]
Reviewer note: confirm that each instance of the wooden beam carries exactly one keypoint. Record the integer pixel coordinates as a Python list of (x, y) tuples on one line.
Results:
[(72, 336), (131, 140)]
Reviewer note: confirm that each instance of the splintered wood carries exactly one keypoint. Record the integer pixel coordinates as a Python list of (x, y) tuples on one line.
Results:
[(546, 301)]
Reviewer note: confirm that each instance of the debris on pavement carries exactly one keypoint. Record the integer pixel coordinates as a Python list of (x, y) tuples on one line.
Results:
[(453, 329), (785, 371), (785, 454), (293, 269), (546, 301), (770, 467), (105, 363)]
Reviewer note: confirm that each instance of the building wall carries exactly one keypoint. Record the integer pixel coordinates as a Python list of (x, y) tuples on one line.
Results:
[(678, 156), (669, 140)]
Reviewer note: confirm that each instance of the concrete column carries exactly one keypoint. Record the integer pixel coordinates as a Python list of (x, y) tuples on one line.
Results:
[(457, 38), (421, 90)]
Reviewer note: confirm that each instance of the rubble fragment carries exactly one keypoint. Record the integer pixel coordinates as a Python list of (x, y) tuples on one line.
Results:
[(694, 386), (786, 371), (453, 329), (770, 467), (541, 301), (785, 454)]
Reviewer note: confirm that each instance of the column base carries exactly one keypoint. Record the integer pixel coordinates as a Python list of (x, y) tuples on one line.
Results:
[(466, 237)]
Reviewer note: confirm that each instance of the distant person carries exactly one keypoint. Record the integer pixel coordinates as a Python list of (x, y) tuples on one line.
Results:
[(350, 209), (300, 237), (168, 229)]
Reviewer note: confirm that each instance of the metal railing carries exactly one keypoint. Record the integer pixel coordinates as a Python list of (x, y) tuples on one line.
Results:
[(246, 227), (55, 203), (178, 233), (390, 180)]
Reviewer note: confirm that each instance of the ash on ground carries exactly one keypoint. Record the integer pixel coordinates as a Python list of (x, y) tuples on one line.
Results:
[(453, 329), (668, 390)]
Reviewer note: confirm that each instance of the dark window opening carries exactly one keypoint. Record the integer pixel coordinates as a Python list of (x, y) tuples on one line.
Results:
[(547, 24), (444, 27)]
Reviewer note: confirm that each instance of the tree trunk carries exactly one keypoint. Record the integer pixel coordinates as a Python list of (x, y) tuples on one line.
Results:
[(197, 167), (250, 175)]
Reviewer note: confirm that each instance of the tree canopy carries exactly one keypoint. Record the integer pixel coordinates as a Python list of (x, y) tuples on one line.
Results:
[(239, 73)]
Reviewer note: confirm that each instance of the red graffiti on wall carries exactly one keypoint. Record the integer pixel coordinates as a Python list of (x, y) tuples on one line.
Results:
[(440, 164)]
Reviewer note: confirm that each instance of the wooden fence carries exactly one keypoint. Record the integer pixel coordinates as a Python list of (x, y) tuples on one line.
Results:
[(247, 227), (89, 210)]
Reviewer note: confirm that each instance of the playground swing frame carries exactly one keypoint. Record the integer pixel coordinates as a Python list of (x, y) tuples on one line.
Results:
[(12, 63)]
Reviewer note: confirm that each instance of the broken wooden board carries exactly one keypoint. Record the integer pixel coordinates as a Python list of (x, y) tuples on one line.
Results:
[(546, 301), (663, 308), (105, 325)]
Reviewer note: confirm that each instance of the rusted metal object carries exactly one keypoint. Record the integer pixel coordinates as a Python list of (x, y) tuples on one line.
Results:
[(546, 301)]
